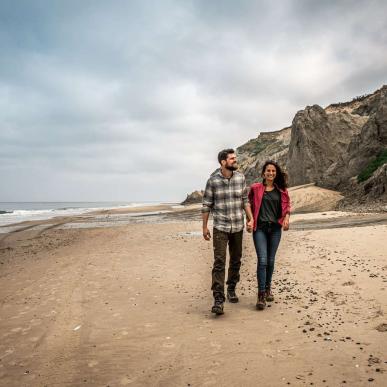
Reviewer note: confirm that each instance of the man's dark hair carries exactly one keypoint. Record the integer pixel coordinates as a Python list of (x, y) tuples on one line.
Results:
[(222, 155)]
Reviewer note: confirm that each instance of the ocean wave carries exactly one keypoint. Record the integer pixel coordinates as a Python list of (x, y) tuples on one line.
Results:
[(17, 216)]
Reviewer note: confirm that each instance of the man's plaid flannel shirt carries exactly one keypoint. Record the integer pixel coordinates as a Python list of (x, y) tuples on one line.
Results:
[(226, 199)]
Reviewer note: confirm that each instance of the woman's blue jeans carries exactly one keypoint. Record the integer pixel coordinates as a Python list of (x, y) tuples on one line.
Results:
[(266, 241)]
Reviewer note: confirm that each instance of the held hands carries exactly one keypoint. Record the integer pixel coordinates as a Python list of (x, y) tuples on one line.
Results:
[(250, 225), (285, 224), (206, 233)]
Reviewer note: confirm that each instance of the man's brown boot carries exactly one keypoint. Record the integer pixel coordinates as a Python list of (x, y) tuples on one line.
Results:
[(261, 303), (218, 306), (231, 296), (269, 295)]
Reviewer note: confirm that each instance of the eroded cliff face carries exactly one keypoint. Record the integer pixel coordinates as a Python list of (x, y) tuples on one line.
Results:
[(372, 138), (267, 146), (319, 139), (329, 147)]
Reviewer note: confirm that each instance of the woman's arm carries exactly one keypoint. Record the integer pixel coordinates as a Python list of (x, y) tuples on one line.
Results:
[(285, 223), (251, 198)]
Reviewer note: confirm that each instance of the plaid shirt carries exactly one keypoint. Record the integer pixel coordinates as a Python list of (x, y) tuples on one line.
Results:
[(226, 198)]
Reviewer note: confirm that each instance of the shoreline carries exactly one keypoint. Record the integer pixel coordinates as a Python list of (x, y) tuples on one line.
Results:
[(45, 210), (163, 213), (93, 212)]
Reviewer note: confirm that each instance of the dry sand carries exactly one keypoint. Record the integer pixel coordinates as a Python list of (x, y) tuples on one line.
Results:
[(308, 197), (128, 304)]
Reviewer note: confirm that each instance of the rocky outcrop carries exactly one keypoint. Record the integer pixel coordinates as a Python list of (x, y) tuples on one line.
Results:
[(267, 146), (193, 198), (319, 140), (329, 147), (372, 139), (371, 194), (375, 188)]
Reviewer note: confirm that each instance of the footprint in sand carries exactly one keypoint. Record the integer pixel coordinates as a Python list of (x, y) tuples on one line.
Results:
[(50, 314), (7, 353), (92, 363), (209, 382), (168, 345), (216, 346), (34, 322), (26, 330), (125, 381), (382, 327)]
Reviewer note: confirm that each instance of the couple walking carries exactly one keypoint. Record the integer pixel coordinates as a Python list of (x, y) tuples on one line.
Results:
[(267, 207)]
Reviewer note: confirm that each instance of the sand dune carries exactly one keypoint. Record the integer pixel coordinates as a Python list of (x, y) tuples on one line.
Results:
[(310, 198)]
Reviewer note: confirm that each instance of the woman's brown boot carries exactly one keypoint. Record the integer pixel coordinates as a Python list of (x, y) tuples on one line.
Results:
[(261, 302), (269, 295)]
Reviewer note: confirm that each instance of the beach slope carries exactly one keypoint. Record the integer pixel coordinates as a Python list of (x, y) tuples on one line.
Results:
[(129, 305)]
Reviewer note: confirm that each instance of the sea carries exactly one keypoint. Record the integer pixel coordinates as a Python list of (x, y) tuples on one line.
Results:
[(15, 212)]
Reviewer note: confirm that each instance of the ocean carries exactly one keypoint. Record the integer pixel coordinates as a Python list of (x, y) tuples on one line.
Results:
[(15, 212)]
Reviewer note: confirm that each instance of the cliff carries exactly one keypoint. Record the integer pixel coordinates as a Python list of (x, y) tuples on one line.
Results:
[(332, 147), (268, 145)]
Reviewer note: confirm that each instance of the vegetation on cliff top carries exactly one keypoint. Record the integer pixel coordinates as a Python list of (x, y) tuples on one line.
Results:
[(359, 98), (373, 166)]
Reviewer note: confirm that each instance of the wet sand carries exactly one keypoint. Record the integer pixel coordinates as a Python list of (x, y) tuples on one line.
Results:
[(127, 302)]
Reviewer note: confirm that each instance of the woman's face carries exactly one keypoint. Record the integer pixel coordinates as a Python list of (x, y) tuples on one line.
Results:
[(270, 172)]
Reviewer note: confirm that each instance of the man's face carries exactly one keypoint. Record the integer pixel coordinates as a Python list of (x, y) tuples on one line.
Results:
[(231, 163)]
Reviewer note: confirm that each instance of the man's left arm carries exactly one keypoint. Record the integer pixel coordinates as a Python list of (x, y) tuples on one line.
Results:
[(247, 208)]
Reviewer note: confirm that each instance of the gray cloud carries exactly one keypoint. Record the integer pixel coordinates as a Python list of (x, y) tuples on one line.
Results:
[(133, 100)]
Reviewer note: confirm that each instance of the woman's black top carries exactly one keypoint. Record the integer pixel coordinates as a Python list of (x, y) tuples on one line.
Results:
[(270, 209)]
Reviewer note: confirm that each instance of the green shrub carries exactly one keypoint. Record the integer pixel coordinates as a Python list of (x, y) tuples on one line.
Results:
[(259, 147), (373, 166)]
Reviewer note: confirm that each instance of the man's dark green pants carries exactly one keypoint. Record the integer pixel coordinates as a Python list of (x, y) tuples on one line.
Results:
[(220, 241)]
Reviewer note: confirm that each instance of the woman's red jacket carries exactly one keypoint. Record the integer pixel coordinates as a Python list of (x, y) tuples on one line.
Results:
[(255, 198)]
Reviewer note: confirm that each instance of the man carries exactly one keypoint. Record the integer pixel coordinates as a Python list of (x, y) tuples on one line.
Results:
[(226, 197)]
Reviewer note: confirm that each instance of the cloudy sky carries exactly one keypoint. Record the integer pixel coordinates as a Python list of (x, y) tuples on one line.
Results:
[(132, 100)]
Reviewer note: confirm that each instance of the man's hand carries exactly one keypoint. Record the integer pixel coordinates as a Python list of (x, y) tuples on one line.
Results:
[(285, 224), (250, 225), (206, 233)]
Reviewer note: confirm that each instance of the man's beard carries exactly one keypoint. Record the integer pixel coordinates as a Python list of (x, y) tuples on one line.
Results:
[(231, 167)]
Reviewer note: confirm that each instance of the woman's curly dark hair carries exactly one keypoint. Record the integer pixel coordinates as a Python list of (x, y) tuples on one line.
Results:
[(281, 178)]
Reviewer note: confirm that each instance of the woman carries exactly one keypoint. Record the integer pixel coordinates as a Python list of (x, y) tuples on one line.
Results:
[(270, 204)]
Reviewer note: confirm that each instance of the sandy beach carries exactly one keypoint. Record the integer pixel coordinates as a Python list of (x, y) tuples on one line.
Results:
[(115, 299)]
